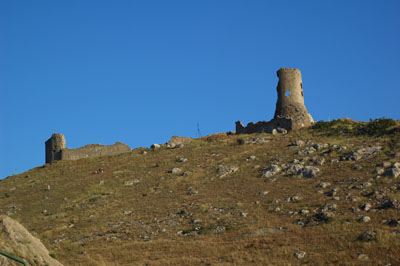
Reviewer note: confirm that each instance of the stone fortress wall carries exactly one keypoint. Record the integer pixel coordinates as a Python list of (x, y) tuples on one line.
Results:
[(56, 150), (290, 112)]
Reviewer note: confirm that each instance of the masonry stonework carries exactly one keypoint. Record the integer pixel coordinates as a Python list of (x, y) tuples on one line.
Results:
[(290, 111), (54, 145), (56, 150)]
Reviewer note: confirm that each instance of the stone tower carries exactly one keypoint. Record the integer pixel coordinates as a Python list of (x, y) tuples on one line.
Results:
[(290, 112), (54, 145)]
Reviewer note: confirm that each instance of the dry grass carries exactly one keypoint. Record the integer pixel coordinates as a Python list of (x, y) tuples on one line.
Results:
[(94, 219)]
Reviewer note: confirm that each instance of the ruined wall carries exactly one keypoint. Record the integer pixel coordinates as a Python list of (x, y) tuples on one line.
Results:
[(94, 150), (56, 150)]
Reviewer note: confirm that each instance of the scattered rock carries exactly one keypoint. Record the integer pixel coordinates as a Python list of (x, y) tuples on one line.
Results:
[(131, 182), (306, 151), (386, 164), (298, 143), (308, 172), (294, 168), (99, 171), (175, 170), (365, 207), (334, 161), (182, 160), (320, 146), (256, 141), (362, 256), (155, 146), (272, 170), (300, 255), (333, 192), (363, 153), (304, 211), (379, 171), (294, 199), (387, 203), (263, 193), (364, 219), (324, 184), (224, 170), (178, 142), (191, 191), (357, 167), (251, 157), (219, 229)]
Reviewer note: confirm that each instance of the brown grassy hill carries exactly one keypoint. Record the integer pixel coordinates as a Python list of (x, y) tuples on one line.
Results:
[(226, 205)]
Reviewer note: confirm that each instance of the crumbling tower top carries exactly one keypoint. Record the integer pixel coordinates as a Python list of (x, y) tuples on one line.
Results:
[(54, 145), (290, 112)]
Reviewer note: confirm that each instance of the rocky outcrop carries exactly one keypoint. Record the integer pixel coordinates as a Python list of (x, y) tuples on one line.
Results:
[(177, 141), (16, 240)]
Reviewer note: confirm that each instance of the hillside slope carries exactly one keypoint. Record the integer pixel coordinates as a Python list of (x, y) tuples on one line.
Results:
[(242, 199)]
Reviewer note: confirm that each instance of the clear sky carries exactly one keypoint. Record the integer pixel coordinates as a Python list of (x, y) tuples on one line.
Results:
[(140, 72)]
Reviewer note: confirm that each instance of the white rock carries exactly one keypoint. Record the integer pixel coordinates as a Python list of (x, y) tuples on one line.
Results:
[(155, 146), (272, 170), (224, 170), (176, 170), (299, 255), (324, 184), (365, 219)]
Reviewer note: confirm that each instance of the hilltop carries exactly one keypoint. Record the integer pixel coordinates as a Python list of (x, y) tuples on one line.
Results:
[(329, 194)]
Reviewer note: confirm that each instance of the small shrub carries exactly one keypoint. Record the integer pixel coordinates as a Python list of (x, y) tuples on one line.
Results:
[(240, 141)]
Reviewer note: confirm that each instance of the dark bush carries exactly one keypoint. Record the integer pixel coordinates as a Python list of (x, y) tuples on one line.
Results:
[(376, 127)]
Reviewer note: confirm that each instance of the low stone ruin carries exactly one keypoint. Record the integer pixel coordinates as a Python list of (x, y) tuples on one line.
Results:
[(56, 150), (290, 112)]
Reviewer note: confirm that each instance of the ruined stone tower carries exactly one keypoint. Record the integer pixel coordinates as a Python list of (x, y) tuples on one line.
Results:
[(290, 112), (54, 145)]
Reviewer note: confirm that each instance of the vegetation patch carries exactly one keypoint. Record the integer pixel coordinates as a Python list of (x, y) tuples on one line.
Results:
[(347, 127)]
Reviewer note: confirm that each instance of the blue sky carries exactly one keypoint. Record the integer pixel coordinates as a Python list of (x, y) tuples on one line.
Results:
[(141, 71)]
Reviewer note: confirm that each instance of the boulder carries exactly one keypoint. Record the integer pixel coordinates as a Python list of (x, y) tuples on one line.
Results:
[(17, 241)]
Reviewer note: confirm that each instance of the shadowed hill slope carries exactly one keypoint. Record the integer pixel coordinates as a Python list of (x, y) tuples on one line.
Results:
[(221, 200)]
